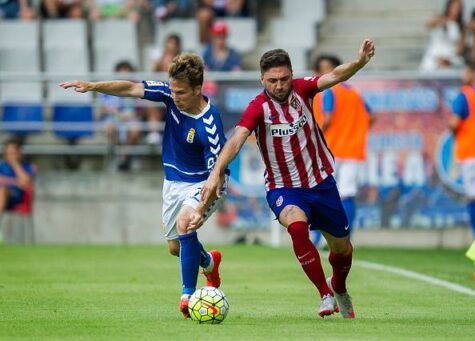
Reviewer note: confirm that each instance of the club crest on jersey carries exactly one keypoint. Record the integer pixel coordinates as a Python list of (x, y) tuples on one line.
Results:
[(280, 201), (191, 135), (295, 103), (288, 129)]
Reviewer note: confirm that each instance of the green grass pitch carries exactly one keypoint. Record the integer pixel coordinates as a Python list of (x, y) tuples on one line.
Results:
[(106, 292)]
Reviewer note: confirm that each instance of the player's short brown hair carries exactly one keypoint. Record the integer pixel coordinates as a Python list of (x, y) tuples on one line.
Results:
[(187, 67), (274, 58)]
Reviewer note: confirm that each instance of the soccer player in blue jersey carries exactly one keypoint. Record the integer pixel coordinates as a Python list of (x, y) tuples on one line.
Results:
[(192, 139)]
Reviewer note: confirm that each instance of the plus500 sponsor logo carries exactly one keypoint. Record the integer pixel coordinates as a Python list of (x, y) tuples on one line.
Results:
[(288, 129)]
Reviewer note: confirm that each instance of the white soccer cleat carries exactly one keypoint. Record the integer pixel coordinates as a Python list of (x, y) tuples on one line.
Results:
[(327, 306), (345, 304)]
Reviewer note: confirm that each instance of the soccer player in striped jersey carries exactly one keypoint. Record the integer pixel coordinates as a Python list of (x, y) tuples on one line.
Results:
[(301, 190), (192, 139)]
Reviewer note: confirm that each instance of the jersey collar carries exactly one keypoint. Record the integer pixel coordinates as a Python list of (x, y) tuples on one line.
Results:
[(204, 111)]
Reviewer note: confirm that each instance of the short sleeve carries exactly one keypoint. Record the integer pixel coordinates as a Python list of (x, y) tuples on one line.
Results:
[(460, 106), (328, 102), (157, 91), (307, 86), (251, 117)]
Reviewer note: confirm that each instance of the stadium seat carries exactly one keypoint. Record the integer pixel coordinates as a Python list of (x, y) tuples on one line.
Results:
[(114, 41), (17, 33), (303, 33), (63, 54), (72, 121), (312, 11), (242, 34), (22, 119), (190, 41)]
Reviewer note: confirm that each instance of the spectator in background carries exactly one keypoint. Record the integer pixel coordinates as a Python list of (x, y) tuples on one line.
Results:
[(119, 114), (164, 9), (211, 9), (161, 59), (52, 9), (218, 56), (462, 124), (16, 176), (16, 9), (446, 44), (99, 9), (345, 119)]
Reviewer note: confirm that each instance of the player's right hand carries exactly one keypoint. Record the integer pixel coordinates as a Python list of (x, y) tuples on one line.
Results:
[(212, 187), (79, 86)]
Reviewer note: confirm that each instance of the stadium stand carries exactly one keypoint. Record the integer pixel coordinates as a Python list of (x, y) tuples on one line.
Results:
[(396, 27), (21, 98)]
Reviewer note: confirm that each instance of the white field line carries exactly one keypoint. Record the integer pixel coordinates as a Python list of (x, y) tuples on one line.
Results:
[(417, 276)]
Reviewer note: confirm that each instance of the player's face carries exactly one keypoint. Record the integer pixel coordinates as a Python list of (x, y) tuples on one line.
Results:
[(184, 95), (278, 82)]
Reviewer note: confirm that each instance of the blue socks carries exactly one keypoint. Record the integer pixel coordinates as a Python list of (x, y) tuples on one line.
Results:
[(471, 213), (205, 258), (192, 255), (350, 208), (190, 261)]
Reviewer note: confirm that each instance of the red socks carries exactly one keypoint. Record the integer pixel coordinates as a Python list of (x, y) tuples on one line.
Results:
[(341, 264), (308, 256)]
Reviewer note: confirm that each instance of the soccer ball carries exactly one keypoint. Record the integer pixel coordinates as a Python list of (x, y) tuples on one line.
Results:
[(208, 305)]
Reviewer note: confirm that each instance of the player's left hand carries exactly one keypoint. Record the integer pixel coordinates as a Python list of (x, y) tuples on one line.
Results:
[(367, 51)]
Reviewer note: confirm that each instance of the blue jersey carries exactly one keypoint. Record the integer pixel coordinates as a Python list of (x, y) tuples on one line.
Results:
[(191, 143)]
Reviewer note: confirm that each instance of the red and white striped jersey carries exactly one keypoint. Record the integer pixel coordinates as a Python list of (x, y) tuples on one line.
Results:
[(290, 141)]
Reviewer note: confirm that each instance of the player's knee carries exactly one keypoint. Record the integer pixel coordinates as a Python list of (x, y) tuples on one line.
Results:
[(182, 225), (341, 246), (291, 214)]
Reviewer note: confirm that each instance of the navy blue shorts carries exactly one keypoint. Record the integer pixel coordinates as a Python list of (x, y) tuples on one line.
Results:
[(15, 196), (321, 204)]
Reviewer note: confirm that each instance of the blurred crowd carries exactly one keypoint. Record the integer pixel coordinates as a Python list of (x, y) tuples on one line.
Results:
[(452, 39), (205, 11)]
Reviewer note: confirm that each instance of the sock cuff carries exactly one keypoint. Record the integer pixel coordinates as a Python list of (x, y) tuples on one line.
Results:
[(191, 235), (298, 227)]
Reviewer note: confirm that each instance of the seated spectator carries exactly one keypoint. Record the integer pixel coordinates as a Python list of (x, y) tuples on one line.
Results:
[(16, 176), (122, 124), (100, 9), (16, 9), (446, 43), (161, 59), (218, 56), (165, 9), (52, 9), (211, 9)]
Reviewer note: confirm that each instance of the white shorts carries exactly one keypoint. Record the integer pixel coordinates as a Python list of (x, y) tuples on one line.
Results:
[(347, 176), (177, 194), (467, 169)]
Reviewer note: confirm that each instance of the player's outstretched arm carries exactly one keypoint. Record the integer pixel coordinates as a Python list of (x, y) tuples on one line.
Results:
[(216, 178), (345, 71), (115, 88)]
